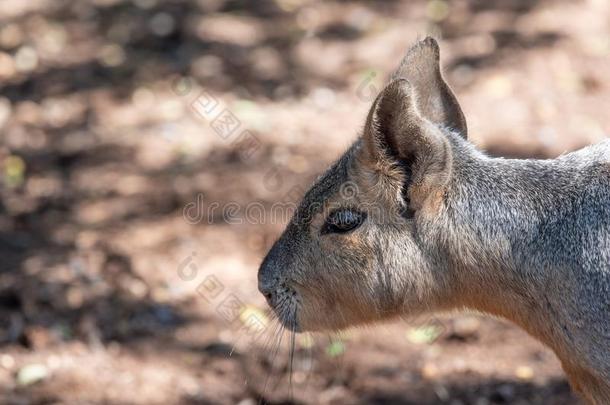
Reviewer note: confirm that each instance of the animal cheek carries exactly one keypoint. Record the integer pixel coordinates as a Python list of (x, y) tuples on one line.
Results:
[(352, 240), (316, 225), (356, 255), (345, 243)]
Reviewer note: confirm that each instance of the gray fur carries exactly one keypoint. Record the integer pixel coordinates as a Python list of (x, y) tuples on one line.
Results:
[(449, 227)]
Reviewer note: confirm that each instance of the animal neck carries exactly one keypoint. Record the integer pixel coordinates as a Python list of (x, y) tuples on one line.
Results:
[(506, 222)]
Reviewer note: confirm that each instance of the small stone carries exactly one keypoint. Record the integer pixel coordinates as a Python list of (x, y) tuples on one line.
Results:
[(5, 111), (442, 392), (26, 59), (524, 372), (112, 55), (74, 297), (298, 164), (425, 334), (323, 97), (333, 394), (32, 374), (7, 361), (143, 97), (11, 36), (437, 10), (429, 371), (305, 341), (38, 337), (498, 86), (466, 328), (162, 24), (7, 66)]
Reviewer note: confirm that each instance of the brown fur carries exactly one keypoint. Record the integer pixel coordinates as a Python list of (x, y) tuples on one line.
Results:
[(446, 227)]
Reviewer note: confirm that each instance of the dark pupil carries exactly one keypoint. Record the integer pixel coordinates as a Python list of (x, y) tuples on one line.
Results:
[(343, 221)]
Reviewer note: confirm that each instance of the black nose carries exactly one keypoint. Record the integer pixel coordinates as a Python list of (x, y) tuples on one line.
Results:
[(268, 272), (266, 289)]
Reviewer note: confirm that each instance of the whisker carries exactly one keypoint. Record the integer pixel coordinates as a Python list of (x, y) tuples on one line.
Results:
[(291, 353), (272, 350), (271, 335), (281, 308), (272, 366), (283, 315), (310, 358)]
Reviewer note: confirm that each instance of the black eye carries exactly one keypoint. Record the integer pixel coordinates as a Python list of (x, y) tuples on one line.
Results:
[(342, 221)]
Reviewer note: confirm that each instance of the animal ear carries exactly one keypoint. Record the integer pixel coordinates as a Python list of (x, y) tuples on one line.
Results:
[(435, 100), (396, 134), (395, 128)]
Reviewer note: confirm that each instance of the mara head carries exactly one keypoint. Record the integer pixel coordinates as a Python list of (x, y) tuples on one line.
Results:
[(359, 248)]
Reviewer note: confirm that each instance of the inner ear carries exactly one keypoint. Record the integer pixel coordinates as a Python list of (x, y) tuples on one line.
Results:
[(436, 101), (401, 144), (395, 129)]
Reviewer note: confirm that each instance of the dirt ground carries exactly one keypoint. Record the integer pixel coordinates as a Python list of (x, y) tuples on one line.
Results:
[(127, 268)]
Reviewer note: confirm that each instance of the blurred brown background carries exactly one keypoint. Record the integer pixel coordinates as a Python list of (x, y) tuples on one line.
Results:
[(121, 267)]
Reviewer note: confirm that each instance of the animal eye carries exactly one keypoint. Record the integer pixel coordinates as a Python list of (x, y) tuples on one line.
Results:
[(343, 221)]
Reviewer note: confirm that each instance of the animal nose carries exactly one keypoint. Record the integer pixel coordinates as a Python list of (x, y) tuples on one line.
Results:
[(266, 289), (268, 273), (269, 293)]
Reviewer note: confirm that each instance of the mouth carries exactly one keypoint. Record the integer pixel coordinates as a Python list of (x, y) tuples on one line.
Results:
[(289, 322), (285, 305)]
